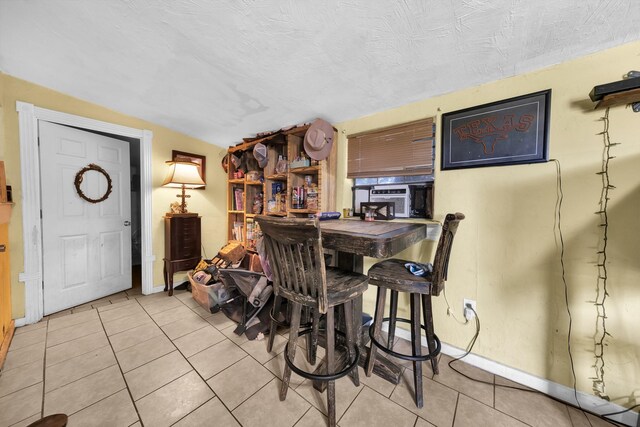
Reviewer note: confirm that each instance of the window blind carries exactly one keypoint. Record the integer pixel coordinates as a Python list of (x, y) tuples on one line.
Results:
[(399, 150)]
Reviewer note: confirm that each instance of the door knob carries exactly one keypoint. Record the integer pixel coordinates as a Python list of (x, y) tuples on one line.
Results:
[(3, 248), (127, 223)]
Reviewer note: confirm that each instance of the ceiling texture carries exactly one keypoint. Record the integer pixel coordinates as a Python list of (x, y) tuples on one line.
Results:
[(224, 70)]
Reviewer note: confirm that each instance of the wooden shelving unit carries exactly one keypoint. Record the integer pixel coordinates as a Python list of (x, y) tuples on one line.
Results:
[(286, 144)]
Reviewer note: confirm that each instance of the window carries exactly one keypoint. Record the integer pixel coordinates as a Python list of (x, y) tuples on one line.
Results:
[(398, 156), (402, 150)]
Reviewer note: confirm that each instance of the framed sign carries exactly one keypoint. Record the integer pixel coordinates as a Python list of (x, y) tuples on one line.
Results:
[(508, 132), (201, 161)]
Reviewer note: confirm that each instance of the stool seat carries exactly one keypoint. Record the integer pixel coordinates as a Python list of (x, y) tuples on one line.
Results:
[(392, 274)]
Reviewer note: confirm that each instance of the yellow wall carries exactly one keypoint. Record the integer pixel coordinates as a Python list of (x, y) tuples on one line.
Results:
[(506, 255), (208, 203)]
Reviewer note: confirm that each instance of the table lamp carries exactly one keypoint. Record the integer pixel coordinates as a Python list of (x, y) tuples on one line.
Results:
[(183, 175)]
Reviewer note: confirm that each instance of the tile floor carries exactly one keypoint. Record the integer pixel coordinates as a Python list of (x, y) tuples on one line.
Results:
[(132, 360)]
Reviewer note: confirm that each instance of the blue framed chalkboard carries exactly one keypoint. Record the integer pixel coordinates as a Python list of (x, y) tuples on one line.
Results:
[(508, 132)]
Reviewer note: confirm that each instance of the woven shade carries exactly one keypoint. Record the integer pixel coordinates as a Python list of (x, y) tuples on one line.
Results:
[(401, 150)]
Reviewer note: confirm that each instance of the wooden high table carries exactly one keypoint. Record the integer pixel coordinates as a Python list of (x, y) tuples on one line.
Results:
[(353, 240)]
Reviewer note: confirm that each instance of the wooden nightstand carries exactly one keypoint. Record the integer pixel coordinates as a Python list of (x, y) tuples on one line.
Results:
[(181, 246)]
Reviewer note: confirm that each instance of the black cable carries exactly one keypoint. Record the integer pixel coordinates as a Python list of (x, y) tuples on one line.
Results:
[(558, 226)]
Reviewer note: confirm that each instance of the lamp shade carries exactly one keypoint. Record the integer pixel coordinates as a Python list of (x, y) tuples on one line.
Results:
[(183, 173)]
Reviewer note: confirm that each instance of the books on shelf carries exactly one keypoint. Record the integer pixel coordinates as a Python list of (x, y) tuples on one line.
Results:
[(237, 231), (238, 199)]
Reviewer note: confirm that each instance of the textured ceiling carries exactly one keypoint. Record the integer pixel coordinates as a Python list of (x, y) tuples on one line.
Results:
[(223, 70)]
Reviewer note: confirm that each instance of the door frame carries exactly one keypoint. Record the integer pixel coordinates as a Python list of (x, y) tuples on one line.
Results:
[(28, 117)]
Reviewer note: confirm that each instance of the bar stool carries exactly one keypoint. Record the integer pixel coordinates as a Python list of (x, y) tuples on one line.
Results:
[(392, 274), (294, 250)]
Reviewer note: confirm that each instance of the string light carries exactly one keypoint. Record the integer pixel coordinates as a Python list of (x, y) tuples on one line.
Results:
[(601, 334)]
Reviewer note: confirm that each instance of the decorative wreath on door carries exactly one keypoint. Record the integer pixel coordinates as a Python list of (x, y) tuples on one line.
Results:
[(80, 177)]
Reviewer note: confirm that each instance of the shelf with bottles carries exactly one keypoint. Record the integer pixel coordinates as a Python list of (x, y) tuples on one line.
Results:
[(254, 199), (253, 234)]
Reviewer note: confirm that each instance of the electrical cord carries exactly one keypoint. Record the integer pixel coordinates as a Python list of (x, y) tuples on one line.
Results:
[(468, 350)]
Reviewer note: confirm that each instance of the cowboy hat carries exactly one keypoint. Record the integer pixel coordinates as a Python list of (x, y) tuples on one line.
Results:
[(260, 153), (319, 139)]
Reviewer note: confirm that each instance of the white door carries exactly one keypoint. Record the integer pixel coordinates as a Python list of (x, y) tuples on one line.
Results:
[(86, 246)]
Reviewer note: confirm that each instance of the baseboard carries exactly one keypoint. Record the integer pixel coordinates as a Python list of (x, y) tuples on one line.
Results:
[(157, 288), (20, 322), (588, 402)]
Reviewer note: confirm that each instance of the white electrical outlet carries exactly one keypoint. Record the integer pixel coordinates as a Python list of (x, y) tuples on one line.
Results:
[(468, 313)]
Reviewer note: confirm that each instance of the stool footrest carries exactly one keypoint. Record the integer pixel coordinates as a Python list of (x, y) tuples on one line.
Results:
[(321, 377), (421, 358)]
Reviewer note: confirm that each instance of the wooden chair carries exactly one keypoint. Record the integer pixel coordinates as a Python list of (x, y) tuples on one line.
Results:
[(294, 250), (392, 274)]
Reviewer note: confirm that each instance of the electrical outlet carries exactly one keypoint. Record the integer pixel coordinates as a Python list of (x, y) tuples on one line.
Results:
[(468, 305)]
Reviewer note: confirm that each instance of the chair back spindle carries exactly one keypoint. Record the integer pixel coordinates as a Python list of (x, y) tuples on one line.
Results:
[(294, 250), (443, 251)]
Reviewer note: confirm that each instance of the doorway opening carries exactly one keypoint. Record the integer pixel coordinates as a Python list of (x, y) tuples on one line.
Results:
[(29, 116)]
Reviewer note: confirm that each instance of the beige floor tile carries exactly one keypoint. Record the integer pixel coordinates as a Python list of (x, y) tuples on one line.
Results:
[(371, 408), (211, 412), (139, 354), (81, 309), (73, 319), (27, 339), (439, 400), (184, 326), (201, 312), (59, 314), (238, 339), (134, 292), (160, 305), (28, 421), (125, 323), (116, 410), (77, 395), (582, 419), (120, 311), (101, 304), (258, 349), (73, 332), (220, 321), (150, 299), (136, 424), (24, 356), (473, 413), (22, 377), (28, 328), (532, 408), (188, 300), (276, 366), (134, 336), (172, 402), (376, 383), (404, 347), (236, 383), (78, 367), (477, 390), (150, 377), (216, 358), (20, 405), (119, 299), (346, 393), (281, 413), (313, 418), (120, 303), (69, 349), (198, 340), (172, 315), (423, 423)]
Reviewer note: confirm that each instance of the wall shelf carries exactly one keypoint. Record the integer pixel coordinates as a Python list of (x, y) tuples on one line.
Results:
[(619, 98)]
